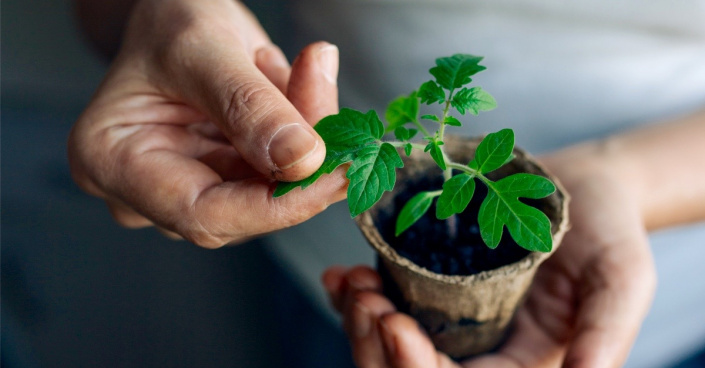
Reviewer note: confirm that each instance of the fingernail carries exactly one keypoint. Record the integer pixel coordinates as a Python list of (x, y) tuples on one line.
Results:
[(328, 61), (387, 339), (362, 320), (290, 145)]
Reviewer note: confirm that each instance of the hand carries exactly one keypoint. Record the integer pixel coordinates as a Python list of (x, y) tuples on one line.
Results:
[(583, 310), (198, 116)]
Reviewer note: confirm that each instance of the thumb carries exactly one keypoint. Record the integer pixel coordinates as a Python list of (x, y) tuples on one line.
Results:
[(255, 116)]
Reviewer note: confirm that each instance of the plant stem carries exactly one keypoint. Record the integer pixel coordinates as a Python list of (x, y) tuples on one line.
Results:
[(399, 144), (448, 172)]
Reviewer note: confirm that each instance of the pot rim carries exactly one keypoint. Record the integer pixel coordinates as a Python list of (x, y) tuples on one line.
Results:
[(366, 224)]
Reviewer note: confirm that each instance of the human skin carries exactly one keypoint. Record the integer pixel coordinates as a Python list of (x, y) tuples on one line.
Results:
[(164, 145), (589, 299), (197, 119)]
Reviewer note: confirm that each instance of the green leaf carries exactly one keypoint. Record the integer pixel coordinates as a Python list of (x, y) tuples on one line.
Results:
[(331, 162), (403, 134), (371, 174), (509, 159), (413, 210), (350, 128), (529, 227), (345, 134), (457, 193), (455, 71), (404, 109), (407, 149), (431, 117), (474, 100), (494, 151), (430, 92), (452, 121), (433, 147)]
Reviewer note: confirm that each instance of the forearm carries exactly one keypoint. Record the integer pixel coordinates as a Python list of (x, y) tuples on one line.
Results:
[(660, 167), (103, 22), (666, 160)]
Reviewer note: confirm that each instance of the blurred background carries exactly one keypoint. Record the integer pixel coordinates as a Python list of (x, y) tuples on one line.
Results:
[(78, 290)]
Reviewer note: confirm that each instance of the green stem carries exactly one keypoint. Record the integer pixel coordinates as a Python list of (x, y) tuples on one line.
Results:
[(466, 169), (399, 144), (448, 172)]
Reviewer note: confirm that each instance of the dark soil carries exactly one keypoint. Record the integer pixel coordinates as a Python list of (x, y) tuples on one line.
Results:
[(427, 243)]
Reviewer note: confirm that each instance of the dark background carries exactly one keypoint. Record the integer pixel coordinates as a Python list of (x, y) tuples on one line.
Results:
[(80, 291)]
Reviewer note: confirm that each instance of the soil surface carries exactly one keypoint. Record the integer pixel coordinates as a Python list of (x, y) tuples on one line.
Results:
[(427, 243)]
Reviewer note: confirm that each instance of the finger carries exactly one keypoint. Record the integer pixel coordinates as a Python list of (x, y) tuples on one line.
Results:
[(125, 215), (228, 164), (186, 196), (406, 345), (273, 64), (313, 88), (332, 280), (221, 77), (360, 324), (359, 278), (615, 299), (169, 234)]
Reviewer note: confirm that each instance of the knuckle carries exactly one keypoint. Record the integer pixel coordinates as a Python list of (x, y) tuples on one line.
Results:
[(247, 100)]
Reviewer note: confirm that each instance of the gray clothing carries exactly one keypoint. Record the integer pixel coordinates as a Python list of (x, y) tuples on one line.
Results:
[(561, 73)]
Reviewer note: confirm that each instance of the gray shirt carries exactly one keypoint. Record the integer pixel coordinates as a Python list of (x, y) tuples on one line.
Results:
[(561, 73)]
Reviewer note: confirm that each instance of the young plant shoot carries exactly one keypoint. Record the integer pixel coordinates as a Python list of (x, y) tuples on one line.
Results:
[(356, 137)]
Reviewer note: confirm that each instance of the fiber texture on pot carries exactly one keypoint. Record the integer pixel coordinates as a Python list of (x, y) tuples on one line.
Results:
[(464, 315)]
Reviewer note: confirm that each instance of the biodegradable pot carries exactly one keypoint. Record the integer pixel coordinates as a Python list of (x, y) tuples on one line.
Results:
[(464, 315)]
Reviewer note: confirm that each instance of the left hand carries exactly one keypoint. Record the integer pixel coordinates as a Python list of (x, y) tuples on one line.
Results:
[(585, 306)]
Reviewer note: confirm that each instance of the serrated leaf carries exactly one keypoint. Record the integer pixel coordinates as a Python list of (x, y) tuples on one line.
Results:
[(493, 151), (371, 174), (452, 121), (402, 110), (345, 134), (431, 117), (331, 162), (407, 149), (433, 147), (474, 99), (529, 227), (350, 128), (455, 71), (457, 193), (412, 211), (430, 92)]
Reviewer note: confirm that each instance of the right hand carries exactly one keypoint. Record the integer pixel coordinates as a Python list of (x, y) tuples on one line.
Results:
[(197, 118)]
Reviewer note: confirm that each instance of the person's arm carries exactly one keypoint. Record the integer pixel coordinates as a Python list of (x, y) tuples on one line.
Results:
[(661, 164)]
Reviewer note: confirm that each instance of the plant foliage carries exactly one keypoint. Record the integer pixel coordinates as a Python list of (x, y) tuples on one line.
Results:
[(357, 138)]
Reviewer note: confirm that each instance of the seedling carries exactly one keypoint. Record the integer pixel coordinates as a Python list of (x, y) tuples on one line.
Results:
[(356, 137)]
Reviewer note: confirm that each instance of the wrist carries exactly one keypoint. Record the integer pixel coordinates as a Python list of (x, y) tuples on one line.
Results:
[(606, 165)]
